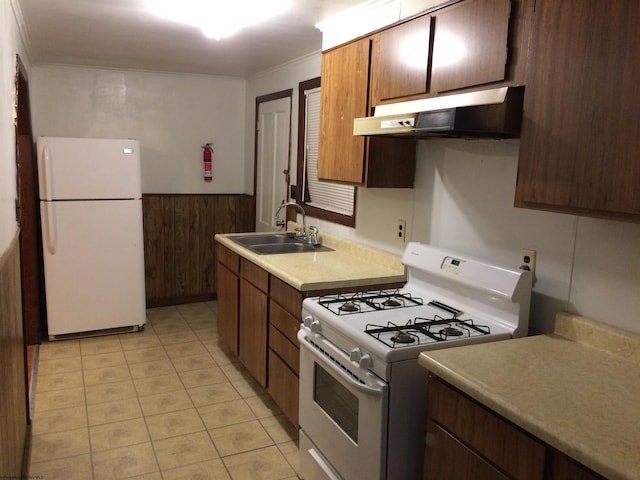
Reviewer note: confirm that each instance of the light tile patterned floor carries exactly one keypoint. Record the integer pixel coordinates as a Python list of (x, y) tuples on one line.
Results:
[(168, 403)]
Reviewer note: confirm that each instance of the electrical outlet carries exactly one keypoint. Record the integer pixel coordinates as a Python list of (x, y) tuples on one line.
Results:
[(528, 260), (402, 230)]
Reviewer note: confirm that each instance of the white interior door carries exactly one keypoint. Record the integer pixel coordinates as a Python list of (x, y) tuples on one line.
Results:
[(272, 162)]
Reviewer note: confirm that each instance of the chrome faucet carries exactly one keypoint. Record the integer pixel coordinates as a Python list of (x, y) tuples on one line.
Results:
[(311, 236)]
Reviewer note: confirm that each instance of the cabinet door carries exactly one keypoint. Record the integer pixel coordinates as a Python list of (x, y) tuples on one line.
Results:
[(345, 83), (400, 60), (253, 331), (580, 140), (228, 291), (470, 44)]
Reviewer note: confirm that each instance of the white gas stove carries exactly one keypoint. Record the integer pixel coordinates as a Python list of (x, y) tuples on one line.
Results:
[(449, 300)]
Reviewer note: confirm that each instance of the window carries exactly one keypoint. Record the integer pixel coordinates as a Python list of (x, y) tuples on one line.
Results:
[(324, 200)]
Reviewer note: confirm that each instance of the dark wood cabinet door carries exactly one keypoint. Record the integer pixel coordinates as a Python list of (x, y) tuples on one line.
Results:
[(470, 45), (400, 60), (580, 141), (228, 296), (345, 83), (253, 326)]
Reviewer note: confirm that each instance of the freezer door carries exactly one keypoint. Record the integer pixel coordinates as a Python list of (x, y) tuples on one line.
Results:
[(94, 265), (88, 168)]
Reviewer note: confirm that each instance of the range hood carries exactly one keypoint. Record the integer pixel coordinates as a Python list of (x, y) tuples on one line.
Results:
[(495, 113)]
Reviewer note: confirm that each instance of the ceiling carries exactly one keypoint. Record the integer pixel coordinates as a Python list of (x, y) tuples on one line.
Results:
[(121, 34)]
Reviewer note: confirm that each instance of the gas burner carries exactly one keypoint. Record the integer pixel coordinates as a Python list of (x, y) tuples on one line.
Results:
[(349, 307), (391, 302), (403, 337), (451, 332)]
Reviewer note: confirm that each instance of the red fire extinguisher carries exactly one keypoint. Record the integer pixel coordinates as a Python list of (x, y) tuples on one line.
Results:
[(207, 156)]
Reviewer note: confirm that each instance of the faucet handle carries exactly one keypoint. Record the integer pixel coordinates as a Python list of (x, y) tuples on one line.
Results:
[(313, 235)]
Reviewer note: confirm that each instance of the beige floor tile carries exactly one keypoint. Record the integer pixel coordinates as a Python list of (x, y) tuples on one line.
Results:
[(225, 413), (114, 411), (202, 376), (147, 476), (73, 397), (118, 434), (49, 421), (222, 356), (170, 326), (110, 392), (165, 402), (201, 322), (100, 345), (291, 452), (240, 437), (51, 446), (59, 365), (103, 360), (235, 372), (124, 462), (184, 450), (178, 350), (279, 428), (160, 313), (263, 464), (149, 354), (211, 470), (69, 468), (59, 349), (100, 376), (150, 369), (177, 336), (158, 384), (207, 336), (194, 309), (62, 381), (193, 362), (174, 424), (247, 387), (210, 394), (136, 340), (263, 406)]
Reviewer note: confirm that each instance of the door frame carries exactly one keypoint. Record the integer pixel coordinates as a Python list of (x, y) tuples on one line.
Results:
[(263, 99)]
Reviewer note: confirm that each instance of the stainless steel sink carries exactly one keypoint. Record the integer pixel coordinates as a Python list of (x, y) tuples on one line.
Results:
[(277, 243)]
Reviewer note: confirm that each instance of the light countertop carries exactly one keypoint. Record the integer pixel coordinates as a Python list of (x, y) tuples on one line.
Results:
[(577, 389), (350, 264)]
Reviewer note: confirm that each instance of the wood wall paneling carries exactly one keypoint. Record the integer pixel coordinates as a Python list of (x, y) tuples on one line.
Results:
[(179, 232), (14, 431)]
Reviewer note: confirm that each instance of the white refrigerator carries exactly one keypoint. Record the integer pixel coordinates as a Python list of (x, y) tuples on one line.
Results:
[(91, 209)]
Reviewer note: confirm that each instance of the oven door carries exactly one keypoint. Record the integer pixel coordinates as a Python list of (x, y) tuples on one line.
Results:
[(343, 413)]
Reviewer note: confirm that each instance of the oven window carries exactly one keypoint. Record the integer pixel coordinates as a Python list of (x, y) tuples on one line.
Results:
[(336, 401)]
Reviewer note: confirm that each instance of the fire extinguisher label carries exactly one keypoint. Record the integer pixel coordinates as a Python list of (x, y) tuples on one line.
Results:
[(207, 156)]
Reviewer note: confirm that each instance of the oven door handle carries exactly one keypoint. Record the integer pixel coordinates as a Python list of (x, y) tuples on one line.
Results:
[(327, 362)]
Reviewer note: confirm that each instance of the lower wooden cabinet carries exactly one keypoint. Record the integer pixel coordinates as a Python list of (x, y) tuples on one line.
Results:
[(464, 439), (227, 269)]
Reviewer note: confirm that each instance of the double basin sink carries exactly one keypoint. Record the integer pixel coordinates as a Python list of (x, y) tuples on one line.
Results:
[(275, 243)]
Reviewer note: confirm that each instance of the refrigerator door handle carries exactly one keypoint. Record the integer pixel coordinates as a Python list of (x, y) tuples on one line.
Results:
[(51, 233), (46, 170)]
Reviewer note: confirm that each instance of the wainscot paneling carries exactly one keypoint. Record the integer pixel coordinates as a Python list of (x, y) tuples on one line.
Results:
[(178, 242), (14, 430)]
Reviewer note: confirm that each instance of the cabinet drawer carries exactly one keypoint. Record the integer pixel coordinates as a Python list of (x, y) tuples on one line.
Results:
[(288, 297), (288, 351), (283, 387), (254, 274), (511, 449), (285, 322), (228, 258)]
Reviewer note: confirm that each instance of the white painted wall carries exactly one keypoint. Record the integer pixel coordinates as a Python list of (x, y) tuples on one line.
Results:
[(10, 45), (172, 115)]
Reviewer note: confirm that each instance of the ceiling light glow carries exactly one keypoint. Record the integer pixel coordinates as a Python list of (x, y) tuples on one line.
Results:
[(218, 18)]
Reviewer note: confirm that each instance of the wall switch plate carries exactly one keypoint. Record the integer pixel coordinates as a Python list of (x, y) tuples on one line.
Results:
[(401, 230), (528, 260)]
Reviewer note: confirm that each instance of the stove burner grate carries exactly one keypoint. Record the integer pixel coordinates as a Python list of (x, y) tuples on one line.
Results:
[(369, 301), (423, 330)]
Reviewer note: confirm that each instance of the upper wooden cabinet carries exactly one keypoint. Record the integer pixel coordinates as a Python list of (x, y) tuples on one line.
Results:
[(470, 45), (400, 60), (343, 157), (580, 141)]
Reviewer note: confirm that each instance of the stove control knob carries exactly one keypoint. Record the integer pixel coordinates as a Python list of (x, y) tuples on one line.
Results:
[(365, 361), (355, 354), (311, 324)]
